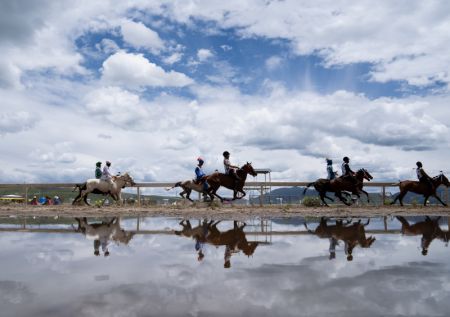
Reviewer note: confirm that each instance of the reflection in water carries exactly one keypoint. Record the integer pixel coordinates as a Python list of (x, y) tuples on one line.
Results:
[(47, 269), (352, 234), (234, 239), (103, 233), (428, 228)]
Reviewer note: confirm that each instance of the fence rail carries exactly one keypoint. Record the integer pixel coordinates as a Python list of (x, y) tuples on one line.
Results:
[(259, 186)]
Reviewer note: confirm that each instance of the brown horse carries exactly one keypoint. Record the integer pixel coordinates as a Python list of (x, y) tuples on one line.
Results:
[(234, 241), (352, 235), (341, 185), (217, 179), (429, 229), (422, 189)]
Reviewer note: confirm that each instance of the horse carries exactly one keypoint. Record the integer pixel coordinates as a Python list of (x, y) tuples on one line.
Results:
[(340, 185), (352, 235), (104, 232), (217, 179), (188, 186), (421, 188), (97, 186), (429, 229)]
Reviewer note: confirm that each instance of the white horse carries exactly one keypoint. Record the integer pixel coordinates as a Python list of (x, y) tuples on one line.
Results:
[(97, 186), (103, 233), (188, 186)]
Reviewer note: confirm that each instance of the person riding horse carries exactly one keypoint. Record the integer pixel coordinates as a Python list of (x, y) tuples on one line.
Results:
[(347, 173), (200, 176), (330, 173), (423, 176), (98, 170), (230, 169), (106, 174)]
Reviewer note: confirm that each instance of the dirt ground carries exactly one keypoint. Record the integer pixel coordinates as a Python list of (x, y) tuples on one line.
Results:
[(200, 210)]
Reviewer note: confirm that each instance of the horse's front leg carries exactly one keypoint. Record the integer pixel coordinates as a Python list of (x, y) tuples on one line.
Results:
[(437, 197)]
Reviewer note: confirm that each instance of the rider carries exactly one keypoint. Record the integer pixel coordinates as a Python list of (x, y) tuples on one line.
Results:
[(330, 173), (230, 169), (347, 172), (106, 175), (200, 176), (423, 176), (98, 170)]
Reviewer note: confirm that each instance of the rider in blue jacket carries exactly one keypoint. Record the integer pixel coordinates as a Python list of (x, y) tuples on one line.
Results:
[(200, 175)]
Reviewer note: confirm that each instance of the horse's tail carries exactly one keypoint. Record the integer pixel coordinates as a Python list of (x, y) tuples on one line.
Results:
[(178, 184), (307, 186)]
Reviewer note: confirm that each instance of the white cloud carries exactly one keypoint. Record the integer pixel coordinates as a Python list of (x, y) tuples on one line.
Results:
[(204, 54), (13, 122), (273, 62), (173, 58), (140, 36), (134, 70)]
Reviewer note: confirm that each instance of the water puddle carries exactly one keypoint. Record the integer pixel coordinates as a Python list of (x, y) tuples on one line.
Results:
[(390, 266)]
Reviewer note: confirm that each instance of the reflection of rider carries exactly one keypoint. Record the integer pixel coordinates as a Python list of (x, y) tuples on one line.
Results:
[(332, 248), (98, 170), (423, 176), (200, 175), (330, 173), (106, 175), (230, 169), (347, 172)]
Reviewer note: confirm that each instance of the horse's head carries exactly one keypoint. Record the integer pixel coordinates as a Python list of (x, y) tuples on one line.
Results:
[(129, 181), (248, 168), (363, 174), (443, 180)]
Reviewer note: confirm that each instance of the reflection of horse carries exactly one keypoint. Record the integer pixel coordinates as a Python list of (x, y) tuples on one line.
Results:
[(104, 232), (217, 179), (188, 186), (422, 189), (234, 241), (429, 229), (340, 185), (351, 234), (97, 186)]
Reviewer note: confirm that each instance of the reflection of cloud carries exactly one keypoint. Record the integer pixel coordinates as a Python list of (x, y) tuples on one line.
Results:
[(14, 293)]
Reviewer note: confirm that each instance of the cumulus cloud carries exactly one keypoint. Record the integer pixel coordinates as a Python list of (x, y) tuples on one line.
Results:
[(204, 54), (273, 62), (13, 122), (140, 36), (134, 70)]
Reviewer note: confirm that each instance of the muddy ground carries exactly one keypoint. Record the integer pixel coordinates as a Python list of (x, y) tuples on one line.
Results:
[(200, 210)]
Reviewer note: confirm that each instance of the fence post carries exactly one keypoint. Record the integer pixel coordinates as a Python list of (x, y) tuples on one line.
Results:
[(261, 196), (26, 195), (139, 196), (384, 195)]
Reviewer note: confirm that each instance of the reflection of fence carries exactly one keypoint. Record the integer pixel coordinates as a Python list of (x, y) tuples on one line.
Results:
[(262, 186)]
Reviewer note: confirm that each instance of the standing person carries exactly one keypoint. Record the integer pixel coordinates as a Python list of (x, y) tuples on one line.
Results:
[(98, 170), (200, 174), (230, 169), (330, 173), (106, 175), (423, 176)]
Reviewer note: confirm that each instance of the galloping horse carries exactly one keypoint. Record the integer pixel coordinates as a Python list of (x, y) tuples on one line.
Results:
[(338, 185), (217, 179), (421, 188), (188, 186), (97, 186), (429, 229)]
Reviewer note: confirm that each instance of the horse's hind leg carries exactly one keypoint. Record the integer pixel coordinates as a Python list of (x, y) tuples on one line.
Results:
[(85, 200), (338, 194), (322, 197)]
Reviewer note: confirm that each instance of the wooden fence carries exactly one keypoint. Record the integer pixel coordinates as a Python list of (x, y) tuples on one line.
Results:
[(261, 187)]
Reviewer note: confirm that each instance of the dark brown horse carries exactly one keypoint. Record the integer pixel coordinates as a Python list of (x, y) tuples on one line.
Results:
[(340, 185), (429, 229), (422, 189), (217, 179)]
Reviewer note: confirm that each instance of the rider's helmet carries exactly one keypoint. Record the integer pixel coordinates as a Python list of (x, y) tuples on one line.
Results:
[(98, 164), (200, 160), (419, 164), (346, 159), (108, 163), (226, 153)]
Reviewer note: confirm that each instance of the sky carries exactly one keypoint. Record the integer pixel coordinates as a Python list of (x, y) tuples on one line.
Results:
[(152, 85)]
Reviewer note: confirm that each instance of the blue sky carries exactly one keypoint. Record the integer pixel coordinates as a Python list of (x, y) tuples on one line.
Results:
[(151, 85)]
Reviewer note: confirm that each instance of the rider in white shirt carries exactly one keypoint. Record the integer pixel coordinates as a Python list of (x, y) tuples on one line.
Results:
[(106, 175)]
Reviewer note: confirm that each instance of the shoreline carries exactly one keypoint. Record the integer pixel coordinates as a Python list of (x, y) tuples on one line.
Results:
[(222, 212)]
